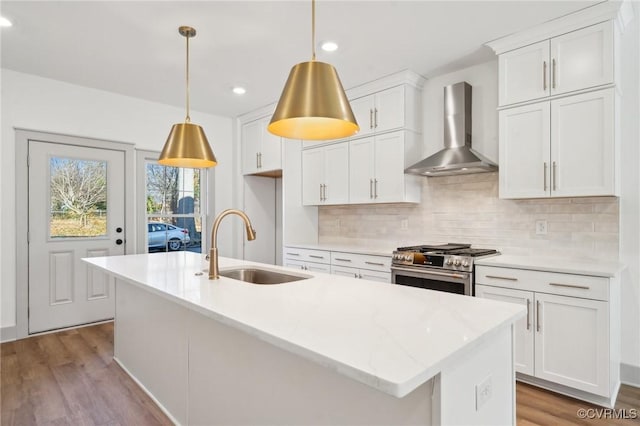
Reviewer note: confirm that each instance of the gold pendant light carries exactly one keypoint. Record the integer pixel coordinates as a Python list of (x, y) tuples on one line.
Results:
[(313, 104), (187, 145)]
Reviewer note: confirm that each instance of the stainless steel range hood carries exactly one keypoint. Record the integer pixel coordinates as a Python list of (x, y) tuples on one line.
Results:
[(457, 157)]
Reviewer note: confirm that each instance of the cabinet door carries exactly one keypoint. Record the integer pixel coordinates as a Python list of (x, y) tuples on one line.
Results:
[(361, 172), (381, 277), (336, 173), (523, 74), (582, 145), (582, 59), (524, 335), (296, 264), (363, 111), (317, 267), (388, 112), (270, 149), (525, 151), (312, 169), (251, 140), (572, 342), (344, 271), (389, 168)]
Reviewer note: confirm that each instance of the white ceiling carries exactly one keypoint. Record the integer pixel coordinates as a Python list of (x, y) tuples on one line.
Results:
[(133, 47)]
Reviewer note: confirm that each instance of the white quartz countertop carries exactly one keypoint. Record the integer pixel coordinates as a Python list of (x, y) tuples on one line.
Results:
[(581, 266), (391, 337), (373, 251)]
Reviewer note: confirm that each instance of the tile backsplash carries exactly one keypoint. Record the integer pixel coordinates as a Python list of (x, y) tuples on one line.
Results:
[(466, 209)]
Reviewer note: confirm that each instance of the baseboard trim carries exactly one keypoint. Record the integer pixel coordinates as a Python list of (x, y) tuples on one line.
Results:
[(574, 393), (630, 374), (8, 334)]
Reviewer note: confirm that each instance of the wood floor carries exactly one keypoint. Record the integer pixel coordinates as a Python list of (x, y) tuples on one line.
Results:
[(70, 378)]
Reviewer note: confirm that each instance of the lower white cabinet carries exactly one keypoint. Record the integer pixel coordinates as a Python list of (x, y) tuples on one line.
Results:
[(307, 266), (364, 274), (570, 335), (307, 259)]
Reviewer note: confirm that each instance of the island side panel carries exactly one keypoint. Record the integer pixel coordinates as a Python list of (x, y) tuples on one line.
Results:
[(151, 343), (479, 387), (235, 378)]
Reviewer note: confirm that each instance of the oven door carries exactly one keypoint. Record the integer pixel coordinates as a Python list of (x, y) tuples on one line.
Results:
[(433, 279)]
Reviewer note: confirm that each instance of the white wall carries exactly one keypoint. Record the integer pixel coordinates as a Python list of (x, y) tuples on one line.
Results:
[(36, 103)]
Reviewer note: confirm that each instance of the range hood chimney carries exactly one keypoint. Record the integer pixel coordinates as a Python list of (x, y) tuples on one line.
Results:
[(457, 157)]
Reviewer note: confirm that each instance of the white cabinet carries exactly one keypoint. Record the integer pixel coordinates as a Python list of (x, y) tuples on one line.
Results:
[(376, 169), (361, 266), (570, 62), (364, 274), (381, 111), (325, 175), (559, 148), (307, 259), (261, 151), (570, 336)]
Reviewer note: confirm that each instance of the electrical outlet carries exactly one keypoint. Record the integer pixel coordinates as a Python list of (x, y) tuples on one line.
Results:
[(483, 393), (404, 224), (541, 227)]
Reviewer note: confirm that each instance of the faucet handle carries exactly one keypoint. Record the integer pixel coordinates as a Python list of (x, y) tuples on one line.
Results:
[(207, 257)]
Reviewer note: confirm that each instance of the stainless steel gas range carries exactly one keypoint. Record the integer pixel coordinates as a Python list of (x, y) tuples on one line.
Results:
[(446, 267)]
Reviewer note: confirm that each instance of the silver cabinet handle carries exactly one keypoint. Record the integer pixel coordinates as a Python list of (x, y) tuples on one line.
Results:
[(537, 315), (582, 287), (293, 254), (374, 263), (544, 76), (375, 118), (375, 188), (260, 160), (325, 192), (553, 73), (257, 162), (501, 278), (370, 118), (370, 188), (545, 176), (528, 314), (359, 275), (315, 256), (342, 260), (320, 192), (555, 172)]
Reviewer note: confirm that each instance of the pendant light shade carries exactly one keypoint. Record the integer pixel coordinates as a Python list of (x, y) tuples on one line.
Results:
[(187, 145), (313, 104)]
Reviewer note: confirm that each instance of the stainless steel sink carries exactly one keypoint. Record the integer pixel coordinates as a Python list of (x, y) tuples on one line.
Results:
[(261, 276)]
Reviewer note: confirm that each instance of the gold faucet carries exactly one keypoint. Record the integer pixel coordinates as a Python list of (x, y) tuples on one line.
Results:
[(213, 253)]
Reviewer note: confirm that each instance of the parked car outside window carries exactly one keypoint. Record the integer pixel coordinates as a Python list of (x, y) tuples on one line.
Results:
[(166, 237)]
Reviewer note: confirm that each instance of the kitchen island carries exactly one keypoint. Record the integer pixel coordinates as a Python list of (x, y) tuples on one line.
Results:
[(322, 350)]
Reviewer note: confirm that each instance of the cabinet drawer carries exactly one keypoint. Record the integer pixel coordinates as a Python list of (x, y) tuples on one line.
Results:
[(384, 277), (584, 286), (362, 261), (307, 255)]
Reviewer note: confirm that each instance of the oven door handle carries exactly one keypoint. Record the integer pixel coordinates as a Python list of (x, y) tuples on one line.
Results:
[(430, 272)]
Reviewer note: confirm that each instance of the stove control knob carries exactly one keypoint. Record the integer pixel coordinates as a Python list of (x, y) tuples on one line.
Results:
[(395, 257), (408, 257), (465, 263), (457, 262), (449, 262)]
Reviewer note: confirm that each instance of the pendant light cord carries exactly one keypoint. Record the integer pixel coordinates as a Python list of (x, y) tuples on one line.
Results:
[(188, 118), (313, 29)]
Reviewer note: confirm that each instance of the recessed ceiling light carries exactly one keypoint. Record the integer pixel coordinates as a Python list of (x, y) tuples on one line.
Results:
[(329, 46), (4, 22), (239, 90)]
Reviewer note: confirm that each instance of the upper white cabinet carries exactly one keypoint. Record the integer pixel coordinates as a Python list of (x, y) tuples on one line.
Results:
[(325, 175), (381, 111), (376, 170), (570, 62), (559, 148), (261, 151)]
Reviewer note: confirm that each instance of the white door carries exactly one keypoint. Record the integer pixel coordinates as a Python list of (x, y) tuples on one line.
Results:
[(582, 59), (388, 113), (76, 210), (336, 173), (251, 140), (525, 158), (270, 149), (312, 170), (582, 145), (572, 342), (388, 183), (524, 331), (523, 74), (363, 111), (361, 157)]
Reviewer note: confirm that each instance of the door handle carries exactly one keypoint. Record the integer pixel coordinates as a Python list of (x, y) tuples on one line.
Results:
[(374, 263), (528, 314), (257, 164), (325, 192), (553, 73), (554, 177), (260, 160), (496, 277), (370, 118), (545, 176), (320, 192), (342, 260), (544, 76), (581, 287), (375, 118), (537, 315), (375, 188), (119, 241), (370, 188)]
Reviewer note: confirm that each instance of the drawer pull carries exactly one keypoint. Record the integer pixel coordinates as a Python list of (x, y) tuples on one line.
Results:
[(315, 256), (501, 278), (293, 254), (342, 260), (537, 315), (583, 287), (528, 315), (374, 263)]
